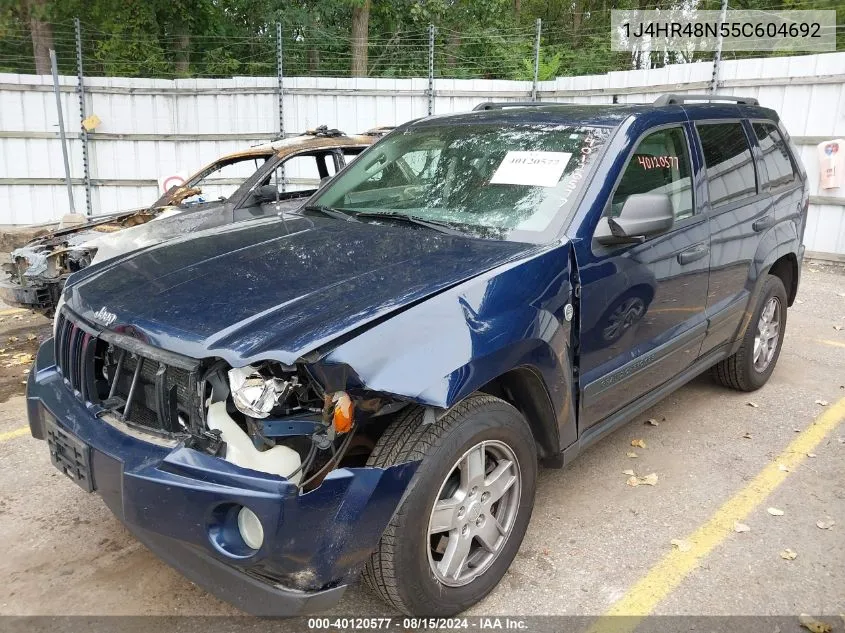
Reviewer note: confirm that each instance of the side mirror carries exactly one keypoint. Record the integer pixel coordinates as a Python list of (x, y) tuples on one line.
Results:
[(267, 193), (643, 215)]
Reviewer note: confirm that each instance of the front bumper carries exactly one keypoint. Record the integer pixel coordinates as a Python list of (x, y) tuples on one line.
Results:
[(178, 502)]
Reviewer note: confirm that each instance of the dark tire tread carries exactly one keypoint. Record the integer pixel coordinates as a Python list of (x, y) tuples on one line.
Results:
[(408, 438), (734, 372)]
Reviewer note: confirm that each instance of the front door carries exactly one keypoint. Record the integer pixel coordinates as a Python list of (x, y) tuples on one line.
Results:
[(643, 305)]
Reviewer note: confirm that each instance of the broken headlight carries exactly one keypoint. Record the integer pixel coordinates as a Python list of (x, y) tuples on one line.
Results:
[(256, 394)]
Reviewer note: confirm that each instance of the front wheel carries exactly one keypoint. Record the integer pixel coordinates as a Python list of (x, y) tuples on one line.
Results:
[(750, 367), (465, 512)]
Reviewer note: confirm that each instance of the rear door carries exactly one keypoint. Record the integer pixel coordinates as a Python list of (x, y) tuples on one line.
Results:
[(740, 214), (642, 318), (780, 174)]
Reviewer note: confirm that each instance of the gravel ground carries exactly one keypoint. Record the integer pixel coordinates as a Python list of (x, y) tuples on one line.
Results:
[(591, 538)]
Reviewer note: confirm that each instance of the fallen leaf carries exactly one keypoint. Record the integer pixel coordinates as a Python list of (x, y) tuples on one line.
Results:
[(21, 359), (741, 527), (747, 436), (799, 301), (822, 403), (839, 327), (783, 468), (638, 443), (753, 404), (652, 422), (648, 480), (788, 554), (628, 472), (775, 512), (811, 454), (631, 454), (825, 525), (681, 544), (795, 429), (31, 337), (13, 339), (813, 625)]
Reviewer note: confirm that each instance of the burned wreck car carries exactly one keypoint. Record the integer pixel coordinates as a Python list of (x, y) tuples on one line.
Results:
[(367, 384), (263, 179)]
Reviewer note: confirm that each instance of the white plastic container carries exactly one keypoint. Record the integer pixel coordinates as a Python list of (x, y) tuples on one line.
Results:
[(279, 460)]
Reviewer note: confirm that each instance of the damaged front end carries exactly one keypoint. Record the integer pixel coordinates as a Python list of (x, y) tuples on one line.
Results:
[(36, 272), (278, 419), (250, 480)]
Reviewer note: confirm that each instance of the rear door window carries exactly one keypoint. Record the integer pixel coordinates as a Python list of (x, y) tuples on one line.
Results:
[(779, 168), (659, 164), (727, 156)]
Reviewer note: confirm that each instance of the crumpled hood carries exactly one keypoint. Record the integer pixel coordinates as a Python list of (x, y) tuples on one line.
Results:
[(276, 289)]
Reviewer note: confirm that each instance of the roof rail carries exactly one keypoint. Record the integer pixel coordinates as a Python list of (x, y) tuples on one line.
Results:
[(501, 105), (673, 99)]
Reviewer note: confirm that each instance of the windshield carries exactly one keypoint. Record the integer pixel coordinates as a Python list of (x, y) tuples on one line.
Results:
[(486, 180)]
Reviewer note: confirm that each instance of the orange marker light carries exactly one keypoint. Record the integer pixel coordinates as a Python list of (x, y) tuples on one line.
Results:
[(342, 412)]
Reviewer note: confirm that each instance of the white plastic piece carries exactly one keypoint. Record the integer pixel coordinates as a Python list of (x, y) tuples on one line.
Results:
[(279, 460)]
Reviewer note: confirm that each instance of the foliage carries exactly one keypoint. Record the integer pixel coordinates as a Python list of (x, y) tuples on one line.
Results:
[(213, 38)]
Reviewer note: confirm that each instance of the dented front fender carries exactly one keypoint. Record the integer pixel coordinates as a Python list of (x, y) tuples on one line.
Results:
[(438, 352)]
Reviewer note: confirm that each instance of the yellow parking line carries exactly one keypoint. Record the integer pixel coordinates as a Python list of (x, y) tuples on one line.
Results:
[(10, 435), (666, 575), (828, 342)]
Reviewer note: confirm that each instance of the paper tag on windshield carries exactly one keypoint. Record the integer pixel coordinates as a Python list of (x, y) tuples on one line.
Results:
[(535, 169)]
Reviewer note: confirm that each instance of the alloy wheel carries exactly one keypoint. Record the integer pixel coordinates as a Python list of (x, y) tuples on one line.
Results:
[(474, 514), (768, 335)]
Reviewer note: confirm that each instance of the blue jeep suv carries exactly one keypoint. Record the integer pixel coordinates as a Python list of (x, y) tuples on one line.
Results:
[(368, 383)]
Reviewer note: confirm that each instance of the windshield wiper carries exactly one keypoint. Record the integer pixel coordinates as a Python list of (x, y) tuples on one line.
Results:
[(330, 212), (435, 225)]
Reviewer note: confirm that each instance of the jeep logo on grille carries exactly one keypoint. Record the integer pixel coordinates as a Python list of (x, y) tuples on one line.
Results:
[(104, 316)]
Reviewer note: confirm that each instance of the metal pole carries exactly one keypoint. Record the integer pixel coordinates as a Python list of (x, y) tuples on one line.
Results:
[(281, 94), (430, 69), (80, 89), (55, 70), (536, 60), (714, 80)]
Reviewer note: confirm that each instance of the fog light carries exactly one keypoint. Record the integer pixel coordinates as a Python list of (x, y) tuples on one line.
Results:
[(250, 528)]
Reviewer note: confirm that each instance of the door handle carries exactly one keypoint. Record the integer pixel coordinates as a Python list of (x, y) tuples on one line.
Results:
[(693, 254), (763, 223)]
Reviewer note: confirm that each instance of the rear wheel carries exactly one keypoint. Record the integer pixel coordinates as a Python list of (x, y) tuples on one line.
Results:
[(750, 367), (465, 512)]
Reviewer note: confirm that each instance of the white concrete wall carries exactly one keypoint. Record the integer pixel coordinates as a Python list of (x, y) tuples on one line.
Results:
[(153, 127)]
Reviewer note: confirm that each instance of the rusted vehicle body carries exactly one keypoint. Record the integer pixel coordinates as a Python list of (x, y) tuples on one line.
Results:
[(263, 179)]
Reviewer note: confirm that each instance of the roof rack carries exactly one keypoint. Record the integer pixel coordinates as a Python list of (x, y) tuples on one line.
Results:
[(501, 105), (673, 99)]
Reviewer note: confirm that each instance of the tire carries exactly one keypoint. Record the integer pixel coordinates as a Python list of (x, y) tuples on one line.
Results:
[(742, 371), (403, 570)]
